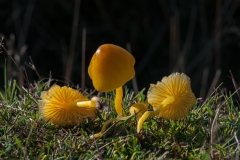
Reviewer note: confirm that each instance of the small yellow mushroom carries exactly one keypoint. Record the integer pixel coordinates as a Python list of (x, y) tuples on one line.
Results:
[(59, 105), (171, 98), (110, 68), (139, 109)]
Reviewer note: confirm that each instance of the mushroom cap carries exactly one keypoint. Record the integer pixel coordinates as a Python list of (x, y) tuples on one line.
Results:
[(111, 67), (139, 108), (58, 106), (177, 85)]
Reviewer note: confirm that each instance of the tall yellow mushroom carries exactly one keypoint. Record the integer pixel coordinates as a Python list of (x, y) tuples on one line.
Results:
[(59, 106), (110, 68), (171, 98)]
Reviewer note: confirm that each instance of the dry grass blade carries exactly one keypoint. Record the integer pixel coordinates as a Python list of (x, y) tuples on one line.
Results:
[(32, 66), (215, 90), (204, 82), (180, 62), (214, 82), (84, 32), (73, 40), (214, 129), (134, 79), (19, 69), (235, 84)]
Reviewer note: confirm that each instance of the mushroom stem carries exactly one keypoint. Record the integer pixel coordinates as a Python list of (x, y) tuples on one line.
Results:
[(86, 104), (118, 100), (156, 112), (105, 125), (94, 102)]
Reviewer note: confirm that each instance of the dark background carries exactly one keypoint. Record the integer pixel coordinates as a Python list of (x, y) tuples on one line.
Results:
[(199, 38)]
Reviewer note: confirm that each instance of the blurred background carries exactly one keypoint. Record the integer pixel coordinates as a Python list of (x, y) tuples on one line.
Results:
[(198, 37)]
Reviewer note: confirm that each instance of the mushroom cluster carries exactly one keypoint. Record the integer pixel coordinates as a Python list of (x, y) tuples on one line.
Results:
[(110, 68)]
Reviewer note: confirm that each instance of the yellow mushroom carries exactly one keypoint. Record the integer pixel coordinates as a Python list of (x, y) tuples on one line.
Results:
[(58, 105), (110, 68), (139, 109), (171, 98)]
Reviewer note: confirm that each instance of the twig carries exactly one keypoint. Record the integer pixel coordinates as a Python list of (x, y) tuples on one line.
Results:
[(26, 143), (174, 39), (214, 130), (209, 45), (204, 81), (238, 143), (163, 155), (150, 51), (1, 46), (214, 82), (25, 24), (83, 58), (32, 66), (235, 84), (134, 79), (218, 34), (49, 79), (97, 148), (203, 19), (215, 90), (188, 41), (73, 40), (25, 72)]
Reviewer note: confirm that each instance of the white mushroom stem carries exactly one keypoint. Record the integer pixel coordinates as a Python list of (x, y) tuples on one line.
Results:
[(118, 100), (156, 112)]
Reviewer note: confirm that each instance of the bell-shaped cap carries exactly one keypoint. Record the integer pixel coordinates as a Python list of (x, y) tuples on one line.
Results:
[(111, 67), (58, 105), (178, 86)]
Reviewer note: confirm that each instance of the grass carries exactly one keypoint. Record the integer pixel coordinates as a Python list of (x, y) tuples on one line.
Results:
[(211, 130)]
